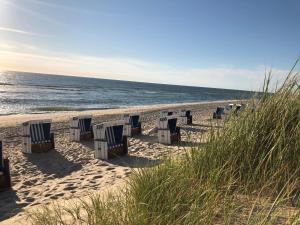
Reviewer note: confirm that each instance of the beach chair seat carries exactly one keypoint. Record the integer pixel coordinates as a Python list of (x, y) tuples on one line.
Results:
[(5, 181), (218, 113), (186, 116), (81, 128), (110, 140), (168, 131), (133, 126), (37, 136)]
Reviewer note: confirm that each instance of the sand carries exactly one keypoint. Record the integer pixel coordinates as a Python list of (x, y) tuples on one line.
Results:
[(71, 171)]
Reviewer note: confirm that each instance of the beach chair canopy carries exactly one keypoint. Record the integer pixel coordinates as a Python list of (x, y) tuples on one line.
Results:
[(172, 125), (85, 124), (40, 132), (220, 110), (114, 135), (1, 158), (134, 121)]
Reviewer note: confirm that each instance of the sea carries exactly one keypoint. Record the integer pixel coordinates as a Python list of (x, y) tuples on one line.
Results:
[(23, 93)]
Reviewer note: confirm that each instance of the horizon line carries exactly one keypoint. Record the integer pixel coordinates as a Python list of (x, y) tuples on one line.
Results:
[(70, 75)]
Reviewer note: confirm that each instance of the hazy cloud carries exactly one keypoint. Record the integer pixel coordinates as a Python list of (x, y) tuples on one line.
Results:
[(22, 32), (38, 60)]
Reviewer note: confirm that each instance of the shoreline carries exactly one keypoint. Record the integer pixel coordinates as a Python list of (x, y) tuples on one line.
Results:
[(17, 119)]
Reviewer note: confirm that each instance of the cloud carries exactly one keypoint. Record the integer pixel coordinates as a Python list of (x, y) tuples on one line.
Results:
[(19, 31), (38, 60), (68, 8), (25, 8)]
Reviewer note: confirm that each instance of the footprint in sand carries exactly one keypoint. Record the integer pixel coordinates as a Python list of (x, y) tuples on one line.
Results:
[(47, 195), (29, 199), (57, 196), (110, 168), (69, 188)]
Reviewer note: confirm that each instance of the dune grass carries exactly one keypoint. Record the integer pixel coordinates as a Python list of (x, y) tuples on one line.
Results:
[(247, 173)]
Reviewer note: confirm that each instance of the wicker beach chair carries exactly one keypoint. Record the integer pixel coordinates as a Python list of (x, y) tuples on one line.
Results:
[(229, 107), (186, 116), (133, 125), (169, 112), (110, 140), (168, 131), (37, 136), (5, 181), (240, 107), (218, 113), (81, 128)]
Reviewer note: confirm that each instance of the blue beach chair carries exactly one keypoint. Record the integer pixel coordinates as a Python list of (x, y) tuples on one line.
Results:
[(110, 140), (218, 113), (81, 128), (186, 116), (168, 112), (133, 125), (168, 131), (5, 181), (239, 108), (37, 136)]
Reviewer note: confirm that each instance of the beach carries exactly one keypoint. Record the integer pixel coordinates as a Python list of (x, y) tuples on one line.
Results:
[(70, 171)]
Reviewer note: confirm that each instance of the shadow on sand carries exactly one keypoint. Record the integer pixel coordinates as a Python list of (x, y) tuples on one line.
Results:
[(147, 138), (133, 161), (9, 200), (54, 163)]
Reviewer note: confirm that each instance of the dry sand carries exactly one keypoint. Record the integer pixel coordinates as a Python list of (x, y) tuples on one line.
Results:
[(71, 171)]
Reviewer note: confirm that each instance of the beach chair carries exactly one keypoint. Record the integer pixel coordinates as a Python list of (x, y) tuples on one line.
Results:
[(239, 108), (133, 125), (186, 116), (169, 112), (229, 107), (110, 140), (218, 113), (5, 181), (81, 128), (168, 132), (37, 137)]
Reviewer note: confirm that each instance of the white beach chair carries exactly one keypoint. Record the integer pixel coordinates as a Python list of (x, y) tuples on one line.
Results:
[(168, 131), (37, 136), (81, 128), (133, 125), (167, 112), (110, 140), (229, 107), (5, 181), (239, 107), (186, 116)]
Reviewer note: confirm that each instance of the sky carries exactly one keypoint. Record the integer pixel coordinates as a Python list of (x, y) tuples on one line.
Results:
[(212, 43)]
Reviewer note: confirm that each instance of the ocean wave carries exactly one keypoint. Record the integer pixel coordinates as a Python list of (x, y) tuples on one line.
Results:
[(67, 109)]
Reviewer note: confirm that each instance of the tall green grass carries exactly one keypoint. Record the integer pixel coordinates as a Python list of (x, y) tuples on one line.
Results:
[(247, 173)]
